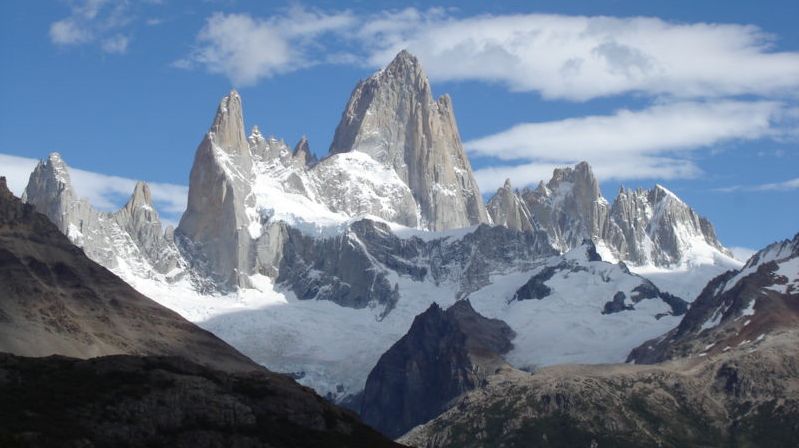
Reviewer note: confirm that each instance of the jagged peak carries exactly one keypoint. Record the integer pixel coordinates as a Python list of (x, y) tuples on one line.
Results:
[(141, 197), (507, 185), (227, 129), (404, 66), (53, 168), (581, 174), (302, 145), (660, 192), (302, 150)]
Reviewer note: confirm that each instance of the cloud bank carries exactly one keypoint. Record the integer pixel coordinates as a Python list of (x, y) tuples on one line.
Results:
[(575, 58)]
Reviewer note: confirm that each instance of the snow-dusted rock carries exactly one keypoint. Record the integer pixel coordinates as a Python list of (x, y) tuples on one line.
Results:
[(652, 228), (129, 240), (569, 207), (392, 117), (508, 209)]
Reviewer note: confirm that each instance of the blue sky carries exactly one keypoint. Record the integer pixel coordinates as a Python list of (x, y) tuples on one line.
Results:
[(698, 96)]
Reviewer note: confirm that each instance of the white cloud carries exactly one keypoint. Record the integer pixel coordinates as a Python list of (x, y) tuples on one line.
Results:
[(101, 190), (115, 45), (648, 143), (559, 56), (246, 49), (668, 127), (628, 168), (788, 185), (95, 21), (67, 32), (579, 58), (742, 253)]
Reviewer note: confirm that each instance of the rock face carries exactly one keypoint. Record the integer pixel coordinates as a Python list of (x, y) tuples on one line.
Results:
[(392, 117), (165, 402), (642, 227), (656, 227), (570, 206), (508, 209), (55, 300), (353, 269), (215, 224), (736, 309), (444, 354), (132, 236), (745, 397)]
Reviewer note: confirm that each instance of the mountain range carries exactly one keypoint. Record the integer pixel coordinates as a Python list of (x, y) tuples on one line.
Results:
[(342, 269)]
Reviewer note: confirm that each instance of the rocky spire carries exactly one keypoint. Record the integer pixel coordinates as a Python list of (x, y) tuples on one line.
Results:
[(141, 197), (228, 125), (140, 220), (50, 190), (393, 117), (220, 193), (507, 209), (302, 152), (570, 207)]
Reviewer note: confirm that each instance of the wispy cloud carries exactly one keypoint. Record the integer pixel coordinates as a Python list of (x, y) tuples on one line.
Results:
[(246, 49), (791, 184), (579, 58), (105, 23), (558, 56), (742, 253), (101, 190), (648, 143)]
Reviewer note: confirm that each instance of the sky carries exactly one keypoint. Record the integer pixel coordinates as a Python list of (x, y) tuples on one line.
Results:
[(701, 97)]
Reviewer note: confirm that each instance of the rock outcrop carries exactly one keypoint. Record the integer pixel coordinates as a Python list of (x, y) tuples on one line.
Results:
[(570, 206), (444, 354), (129, 401), (392, 117), (508, 209), (353, 269)]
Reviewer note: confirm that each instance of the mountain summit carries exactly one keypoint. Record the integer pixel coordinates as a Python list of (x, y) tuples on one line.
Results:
[(393, 117)]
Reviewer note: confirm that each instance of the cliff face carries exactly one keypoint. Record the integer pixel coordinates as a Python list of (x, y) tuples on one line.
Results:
[(220, 193), (508, 209), (392, 117), (444, 354)]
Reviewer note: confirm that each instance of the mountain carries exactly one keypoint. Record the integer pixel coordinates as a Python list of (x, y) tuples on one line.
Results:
[(745, 397), (653, 232), (507, 209), (570, 206), (131, 239), (218, 214), (726, 376), (641, 227), (393, 117), (169, 382), (55, 300), (317, 267), (130, 401), (736, 309), (444, 354)]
